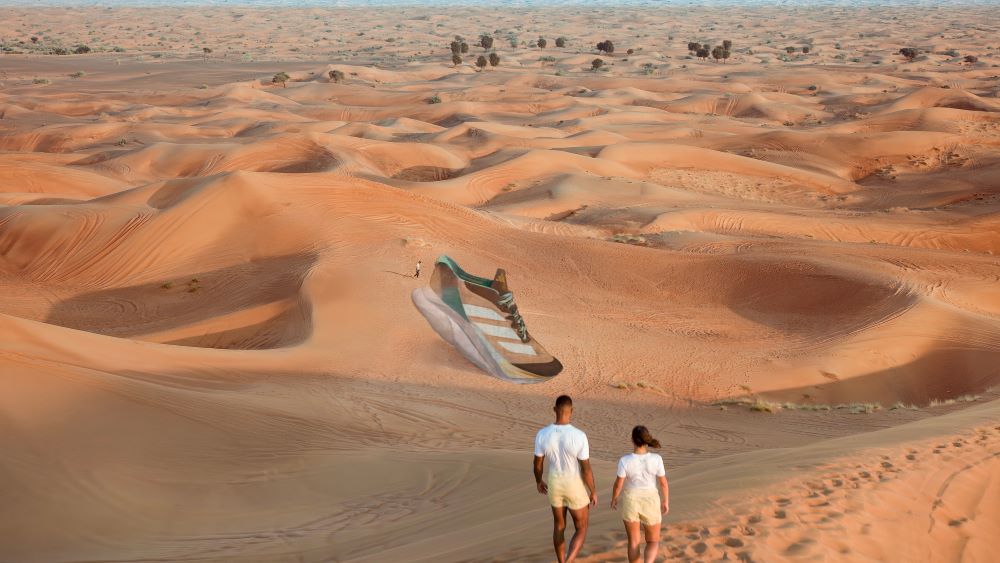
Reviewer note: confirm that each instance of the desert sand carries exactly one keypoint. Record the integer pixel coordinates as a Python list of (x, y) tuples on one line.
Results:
[(208, 352)]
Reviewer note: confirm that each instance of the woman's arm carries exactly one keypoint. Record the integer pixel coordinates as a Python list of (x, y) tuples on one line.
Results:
[(616, 491), (664, 494)]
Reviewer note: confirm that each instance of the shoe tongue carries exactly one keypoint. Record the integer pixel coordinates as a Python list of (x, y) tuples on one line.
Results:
[(500, 282)]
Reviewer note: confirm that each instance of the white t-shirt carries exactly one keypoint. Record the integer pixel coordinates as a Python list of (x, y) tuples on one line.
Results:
[(641, 471), (563, 447)]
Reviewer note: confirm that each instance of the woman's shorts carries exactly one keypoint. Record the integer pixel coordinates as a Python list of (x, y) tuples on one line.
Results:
[(567, 490), (641, 505)]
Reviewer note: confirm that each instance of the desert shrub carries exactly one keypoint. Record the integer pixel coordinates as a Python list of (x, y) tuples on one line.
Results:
[(456, 47), (694, 47), (435, 99), (789, 50), (561, 42), (596, 64), (59, 51), (542, 42), (494, 59), (336, 75), (629, 51), (40, 81), (718, 53), (547, 59), (481, 62), (812, 88), (971, 59), (648, 68), (456, 59), (280, 78), (761, 405), (727, 45), (206, 50), (909, 53), (486, 41), (805, 50), (77, 74), (703, 53), (81, 49), (606, 46), (951, 53)]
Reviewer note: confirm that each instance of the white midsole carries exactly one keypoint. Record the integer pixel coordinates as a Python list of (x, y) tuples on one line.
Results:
[(465, 337)]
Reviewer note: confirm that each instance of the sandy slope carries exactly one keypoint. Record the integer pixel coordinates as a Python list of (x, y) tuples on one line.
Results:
[(209, 351)]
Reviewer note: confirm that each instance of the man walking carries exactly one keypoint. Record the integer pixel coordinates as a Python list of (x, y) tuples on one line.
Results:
[(563, 473), (417, 273)]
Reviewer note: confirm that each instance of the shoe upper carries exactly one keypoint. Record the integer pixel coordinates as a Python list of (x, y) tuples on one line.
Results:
[(489, 305)]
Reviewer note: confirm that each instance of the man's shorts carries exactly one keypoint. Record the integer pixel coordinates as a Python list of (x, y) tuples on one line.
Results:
[(567, 490), (641, 505)]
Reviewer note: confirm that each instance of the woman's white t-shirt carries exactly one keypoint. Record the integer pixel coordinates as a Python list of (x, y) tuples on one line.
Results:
[(641, 470)]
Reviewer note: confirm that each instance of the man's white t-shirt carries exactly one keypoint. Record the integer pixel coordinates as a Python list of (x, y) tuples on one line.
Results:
[(641, 471), (563, 447)]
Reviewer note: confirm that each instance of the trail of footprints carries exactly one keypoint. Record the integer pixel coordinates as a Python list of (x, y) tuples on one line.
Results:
[(791, 525)]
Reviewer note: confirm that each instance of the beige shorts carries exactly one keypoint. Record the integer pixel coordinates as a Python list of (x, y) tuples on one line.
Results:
[(567, 490), (641, 505)]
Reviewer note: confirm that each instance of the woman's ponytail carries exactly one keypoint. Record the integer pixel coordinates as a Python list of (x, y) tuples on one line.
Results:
[(642, 437)]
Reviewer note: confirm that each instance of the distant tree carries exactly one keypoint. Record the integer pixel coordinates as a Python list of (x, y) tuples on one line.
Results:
[(481, 62), (971, 59), (909, 53), (596, 64), (717, 52), (336, 75), (727, 45), (789, 50), (280, 78), (703, 53), (805, 50), (486, 41), (34, 40), (542, 42), (456, 59), (465, 47), (606, 46), (629, 51), (494, 59), (561, 42), (456, 47), (81, 49), (726, 53), (694, 47)]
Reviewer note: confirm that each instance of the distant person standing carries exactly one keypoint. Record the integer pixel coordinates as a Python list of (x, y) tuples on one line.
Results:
[(417, 273), (563, 473), (640, 473)]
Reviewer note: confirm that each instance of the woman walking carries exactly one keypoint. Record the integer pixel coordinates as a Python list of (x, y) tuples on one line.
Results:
[(640, 473)]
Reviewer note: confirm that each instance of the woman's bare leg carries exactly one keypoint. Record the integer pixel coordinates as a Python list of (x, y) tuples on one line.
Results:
[(634, 541), (652, 542)]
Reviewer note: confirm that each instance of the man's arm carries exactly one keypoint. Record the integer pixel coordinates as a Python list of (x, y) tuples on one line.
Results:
[(588, 480), (539, 466)]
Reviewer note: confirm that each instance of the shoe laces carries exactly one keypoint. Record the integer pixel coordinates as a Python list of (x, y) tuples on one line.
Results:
[(506, 302)]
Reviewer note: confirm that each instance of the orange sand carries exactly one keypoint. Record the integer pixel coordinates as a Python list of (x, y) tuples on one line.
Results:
[(208, 350)]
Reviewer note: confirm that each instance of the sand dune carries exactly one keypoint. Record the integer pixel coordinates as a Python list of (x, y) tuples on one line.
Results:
[(209, 351)]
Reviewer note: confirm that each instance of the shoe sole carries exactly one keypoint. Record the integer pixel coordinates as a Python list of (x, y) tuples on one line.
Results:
[(467, 339)]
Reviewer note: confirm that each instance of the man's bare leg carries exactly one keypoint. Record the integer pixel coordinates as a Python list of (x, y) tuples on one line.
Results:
[(559, 532), (581, 519)]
